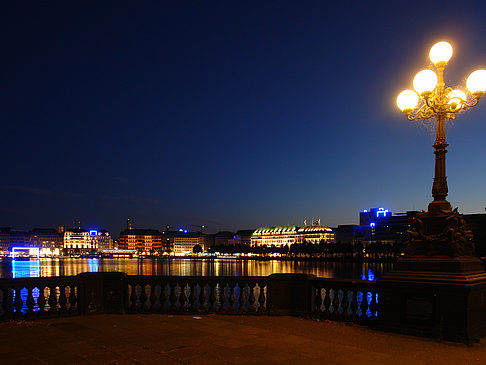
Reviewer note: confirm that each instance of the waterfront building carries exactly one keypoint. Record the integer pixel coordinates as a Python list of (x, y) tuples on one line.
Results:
[(349, 233), (104, 240), (141, 240), (380, 224), (11, 238), (223, 238), (79, 241), (315, 235), (243, 237), (185, 242), (49, 240), (206, 241), (276, 236)]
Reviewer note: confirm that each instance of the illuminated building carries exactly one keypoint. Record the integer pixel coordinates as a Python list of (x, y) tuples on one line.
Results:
[(380, 224), (141, 240), (80, 241), (314, 235), (287, 235), (50, 241), (104, 240), (277, 236), (184, 242)]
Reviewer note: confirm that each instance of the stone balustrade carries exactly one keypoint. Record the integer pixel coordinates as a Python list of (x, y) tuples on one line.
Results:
[(277, 294)]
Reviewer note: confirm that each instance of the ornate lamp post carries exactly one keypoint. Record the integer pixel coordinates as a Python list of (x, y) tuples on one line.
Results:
[(438, 288), (431, 98)]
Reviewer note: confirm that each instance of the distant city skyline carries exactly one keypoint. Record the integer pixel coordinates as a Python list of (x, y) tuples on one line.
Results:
[(230, 115)]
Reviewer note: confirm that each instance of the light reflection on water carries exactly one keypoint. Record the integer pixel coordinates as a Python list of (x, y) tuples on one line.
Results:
[(191, 267)]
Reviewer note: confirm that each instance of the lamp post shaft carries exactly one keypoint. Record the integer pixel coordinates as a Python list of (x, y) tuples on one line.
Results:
[(439, 188)]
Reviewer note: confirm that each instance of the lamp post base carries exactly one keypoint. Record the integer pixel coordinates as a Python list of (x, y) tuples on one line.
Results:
[(435, 296), (439, 205), (438, 288)]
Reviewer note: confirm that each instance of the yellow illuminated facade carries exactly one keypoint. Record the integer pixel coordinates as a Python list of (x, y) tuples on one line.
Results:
[(78, 241), (315, 235), (287, 235), (276, 236), (184, 244), (81, 241)]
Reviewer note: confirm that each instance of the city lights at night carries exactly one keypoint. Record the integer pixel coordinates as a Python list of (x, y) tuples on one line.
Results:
[(185, 182)]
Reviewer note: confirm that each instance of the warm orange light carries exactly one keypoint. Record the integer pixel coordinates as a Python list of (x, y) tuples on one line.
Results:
[(440, 52), (476, 82), (456, 97), (425, 81), (407, 100)]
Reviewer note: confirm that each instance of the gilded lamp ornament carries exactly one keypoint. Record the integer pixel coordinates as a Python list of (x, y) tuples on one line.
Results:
[(435, 234)]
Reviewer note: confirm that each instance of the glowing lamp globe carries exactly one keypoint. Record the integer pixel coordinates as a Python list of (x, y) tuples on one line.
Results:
[(476, 82), (456, 97), (425, 81), (440, 52), (407, 100)]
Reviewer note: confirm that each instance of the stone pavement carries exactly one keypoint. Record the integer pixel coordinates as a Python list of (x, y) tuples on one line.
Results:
[(218, 339)]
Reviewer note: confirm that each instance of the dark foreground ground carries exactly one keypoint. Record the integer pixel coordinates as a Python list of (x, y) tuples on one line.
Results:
[(218, 339)]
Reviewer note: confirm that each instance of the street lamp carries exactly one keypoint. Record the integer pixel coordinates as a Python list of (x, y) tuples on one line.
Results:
[(431, 98)]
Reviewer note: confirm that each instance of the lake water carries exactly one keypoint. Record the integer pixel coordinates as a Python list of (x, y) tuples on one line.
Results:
[(190, 267)]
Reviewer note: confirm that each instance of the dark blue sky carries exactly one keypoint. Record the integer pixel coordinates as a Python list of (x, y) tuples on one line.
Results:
[(233, 114)]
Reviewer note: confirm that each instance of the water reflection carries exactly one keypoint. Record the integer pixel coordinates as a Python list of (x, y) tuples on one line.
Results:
[(25, 269), (190, 267)]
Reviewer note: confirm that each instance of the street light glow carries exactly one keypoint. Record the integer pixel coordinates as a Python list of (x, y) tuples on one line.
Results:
[(476, 82), (440, 52), (425, 81), (407, 100), (456, 97)]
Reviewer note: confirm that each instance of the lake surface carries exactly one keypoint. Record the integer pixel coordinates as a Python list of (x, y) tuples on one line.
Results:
[(190, 267)]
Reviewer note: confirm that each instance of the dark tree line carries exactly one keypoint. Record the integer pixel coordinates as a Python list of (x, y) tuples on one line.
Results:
[(306, 249)]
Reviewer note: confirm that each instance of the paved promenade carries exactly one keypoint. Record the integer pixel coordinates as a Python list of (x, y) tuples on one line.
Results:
[(218, 339)]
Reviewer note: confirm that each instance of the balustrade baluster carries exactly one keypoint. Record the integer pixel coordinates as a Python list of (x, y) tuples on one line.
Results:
[(262, 298), (345, 305), (193, 298), (62, 299), (222, 297), (143, 298), (354, 306), (133, 298), (41, 301), (373, 305), (321, 305), (173, 297), (242, 298), (364, 306), (73, 299), (203, 305), (327, 303), (29, 303), (183, 298), (53, 309), (17, 303), (252, 306), (154, 297), (164, 298), (213, 299), (233, 303)]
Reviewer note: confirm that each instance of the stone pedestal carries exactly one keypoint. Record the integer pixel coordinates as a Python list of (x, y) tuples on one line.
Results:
[(435, 296), (102, 292), (289, 294)]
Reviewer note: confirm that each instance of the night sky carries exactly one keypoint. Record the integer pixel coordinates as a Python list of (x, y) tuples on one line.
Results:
[(232, 114)]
